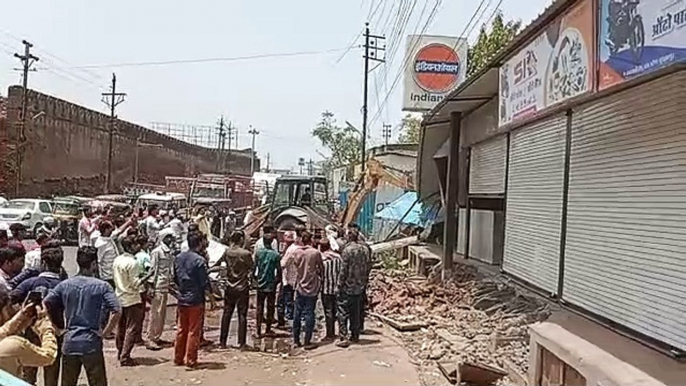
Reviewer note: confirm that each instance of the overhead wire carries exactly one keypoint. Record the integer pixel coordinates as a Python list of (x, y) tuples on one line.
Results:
[(462, 35), (216, 59), (429, 19)]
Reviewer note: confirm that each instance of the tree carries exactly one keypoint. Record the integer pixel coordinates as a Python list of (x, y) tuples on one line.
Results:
[(410, 129), (344, 143), (490, 42)]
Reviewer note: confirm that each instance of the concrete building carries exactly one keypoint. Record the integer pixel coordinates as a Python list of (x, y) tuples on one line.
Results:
[(567, 160)]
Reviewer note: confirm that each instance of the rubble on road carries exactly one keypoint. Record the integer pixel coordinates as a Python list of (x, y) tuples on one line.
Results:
[(471, 318)]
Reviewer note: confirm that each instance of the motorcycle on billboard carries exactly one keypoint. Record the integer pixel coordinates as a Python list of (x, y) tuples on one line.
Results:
[(626, 28)]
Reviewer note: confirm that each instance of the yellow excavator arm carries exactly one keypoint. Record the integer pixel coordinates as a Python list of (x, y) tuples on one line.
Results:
[(369, 180)]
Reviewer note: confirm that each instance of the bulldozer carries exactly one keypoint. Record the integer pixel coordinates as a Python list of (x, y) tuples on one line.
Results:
[(295, 200), (368, 181)]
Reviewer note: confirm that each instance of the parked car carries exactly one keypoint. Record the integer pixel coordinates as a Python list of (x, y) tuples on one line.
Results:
[(27, 211)]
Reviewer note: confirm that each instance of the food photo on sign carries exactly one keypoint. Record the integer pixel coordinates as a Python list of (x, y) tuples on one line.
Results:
[(638, 37), (554, 67)]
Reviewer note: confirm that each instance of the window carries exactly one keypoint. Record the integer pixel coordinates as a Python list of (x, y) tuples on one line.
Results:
[(282, 194), (44, 207), (321, 201)]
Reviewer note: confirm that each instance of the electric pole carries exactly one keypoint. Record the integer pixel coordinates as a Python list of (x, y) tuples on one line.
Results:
[(386, 133), (269, 156), (229, 133), (254, 133), (310, 167), (221, 143), (27, 60), (301, 163), (371, 52), (112, 99)]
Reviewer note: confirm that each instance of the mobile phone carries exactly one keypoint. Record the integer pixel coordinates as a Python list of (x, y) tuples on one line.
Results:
[(35, 298)]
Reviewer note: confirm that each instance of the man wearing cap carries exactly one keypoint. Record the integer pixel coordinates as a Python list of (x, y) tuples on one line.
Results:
[(161, 261)]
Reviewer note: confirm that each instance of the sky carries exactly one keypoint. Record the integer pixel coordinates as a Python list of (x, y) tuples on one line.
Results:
[(280, 96)]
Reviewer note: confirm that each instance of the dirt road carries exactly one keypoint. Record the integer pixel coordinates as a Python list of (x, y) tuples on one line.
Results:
[(377, 360)]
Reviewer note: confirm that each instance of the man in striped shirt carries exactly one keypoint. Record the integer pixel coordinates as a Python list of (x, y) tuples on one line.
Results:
[(332, 267)]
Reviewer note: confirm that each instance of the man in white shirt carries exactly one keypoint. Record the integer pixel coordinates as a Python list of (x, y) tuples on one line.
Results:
[(108, 249), (87, 226), (162, 262), (153, 224)]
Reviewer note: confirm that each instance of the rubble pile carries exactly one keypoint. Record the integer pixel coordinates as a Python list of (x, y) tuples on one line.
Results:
[(470, 318)]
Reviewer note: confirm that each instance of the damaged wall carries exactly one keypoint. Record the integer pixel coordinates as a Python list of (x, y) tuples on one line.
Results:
[(66, 150)]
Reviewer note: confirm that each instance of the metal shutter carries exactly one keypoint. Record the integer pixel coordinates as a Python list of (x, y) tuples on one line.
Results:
[(534, 203), (626, 237), (487, 167)]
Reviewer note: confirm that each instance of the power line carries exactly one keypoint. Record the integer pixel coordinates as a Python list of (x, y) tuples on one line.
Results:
[(407, 59), (209, 60)]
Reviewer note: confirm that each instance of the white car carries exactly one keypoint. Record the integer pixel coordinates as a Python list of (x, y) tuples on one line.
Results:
[(27, 211)]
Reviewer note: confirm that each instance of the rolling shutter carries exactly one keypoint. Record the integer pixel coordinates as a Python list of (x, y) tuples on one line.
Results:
[(534, 203), (487, 167), (626, 238)]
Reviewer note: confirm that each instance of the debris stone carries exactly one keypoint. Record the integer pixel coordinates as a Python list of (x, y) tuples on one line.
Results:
[(461, 317)]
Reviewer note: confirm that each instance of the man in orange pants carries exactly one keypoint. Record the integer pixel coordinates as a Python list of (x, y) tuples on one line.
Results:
[(190, 277)]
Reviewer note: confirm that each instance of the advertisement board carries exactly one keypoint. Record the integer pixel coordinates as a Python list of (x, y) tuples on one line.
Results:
[(437, 65), (557, 65), (638, 37)]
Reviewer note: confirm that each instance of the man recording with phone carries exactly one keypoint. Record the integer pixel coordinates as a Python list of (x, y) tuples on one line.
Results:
[(16, 352), (34, 290)]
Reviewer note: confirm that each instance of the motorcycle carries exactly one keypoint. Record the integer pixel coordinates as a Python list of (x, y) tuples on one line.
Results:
[(625, 28)]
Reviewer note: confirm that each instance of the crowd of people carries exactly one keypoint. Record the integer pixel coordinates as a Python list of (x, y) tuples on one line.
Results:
[(128, 268)]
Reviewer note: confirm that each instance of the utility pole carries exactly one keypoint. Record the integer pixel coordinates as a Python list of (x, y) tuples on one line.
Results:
[(27, 60), (310, 167), (221, 143), (301, 163), (269, 156), (254, 133), (112, 99), (387, 133), (371, 52)]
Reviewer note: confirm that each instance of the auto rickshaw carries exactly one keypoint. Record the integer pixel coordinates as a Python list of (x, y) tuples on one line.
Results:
[(67, 212)]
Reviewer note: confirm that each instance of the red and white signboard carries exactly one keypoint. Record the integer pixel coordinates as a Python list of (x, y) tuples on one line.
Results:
[(437, 65)]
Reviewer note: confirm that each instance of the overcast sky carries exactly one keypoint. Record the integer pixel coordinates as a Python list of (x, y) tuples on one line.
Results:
[(282, 97)]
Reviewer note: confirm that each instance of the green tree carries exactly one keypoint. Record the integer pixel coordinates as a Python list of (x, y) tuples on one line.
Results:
[(344, 143), (490, 42), (410, 129)]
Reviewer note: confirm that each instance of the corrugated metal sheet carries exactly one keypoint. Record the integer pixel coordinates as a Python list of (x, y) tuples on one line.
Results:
[(487, 166), (365, 218), (626, 237), (534, 203)]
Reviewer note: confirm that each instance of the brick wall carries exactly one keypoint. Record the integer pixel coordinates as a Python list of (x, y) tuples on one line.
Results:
[(66, 150)]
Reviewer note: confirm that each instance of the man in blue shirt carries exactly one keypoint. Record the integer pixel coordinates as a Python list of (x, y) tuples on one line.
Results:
[(49, 278), (84, 299), (190, 278)]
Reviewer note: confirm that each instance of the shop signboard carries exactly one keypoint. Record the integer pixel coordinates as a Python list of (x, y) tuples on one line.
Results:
[(556, 66), (638, 37), (437, 65)]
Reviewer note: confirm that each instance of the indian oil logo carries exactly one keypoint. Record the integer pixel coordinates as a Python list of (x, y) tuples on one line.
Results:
[(436, 68)]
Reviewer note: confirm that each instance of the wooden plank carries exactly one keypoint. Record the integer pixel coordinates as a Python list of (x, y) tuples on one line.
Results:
[(449, 371), (394, 244), (400, 326), (477, 374)]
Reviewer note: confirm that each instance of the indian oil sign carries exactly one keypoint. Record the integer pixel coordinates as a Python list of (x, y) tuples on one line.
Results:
[(437, 65)]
